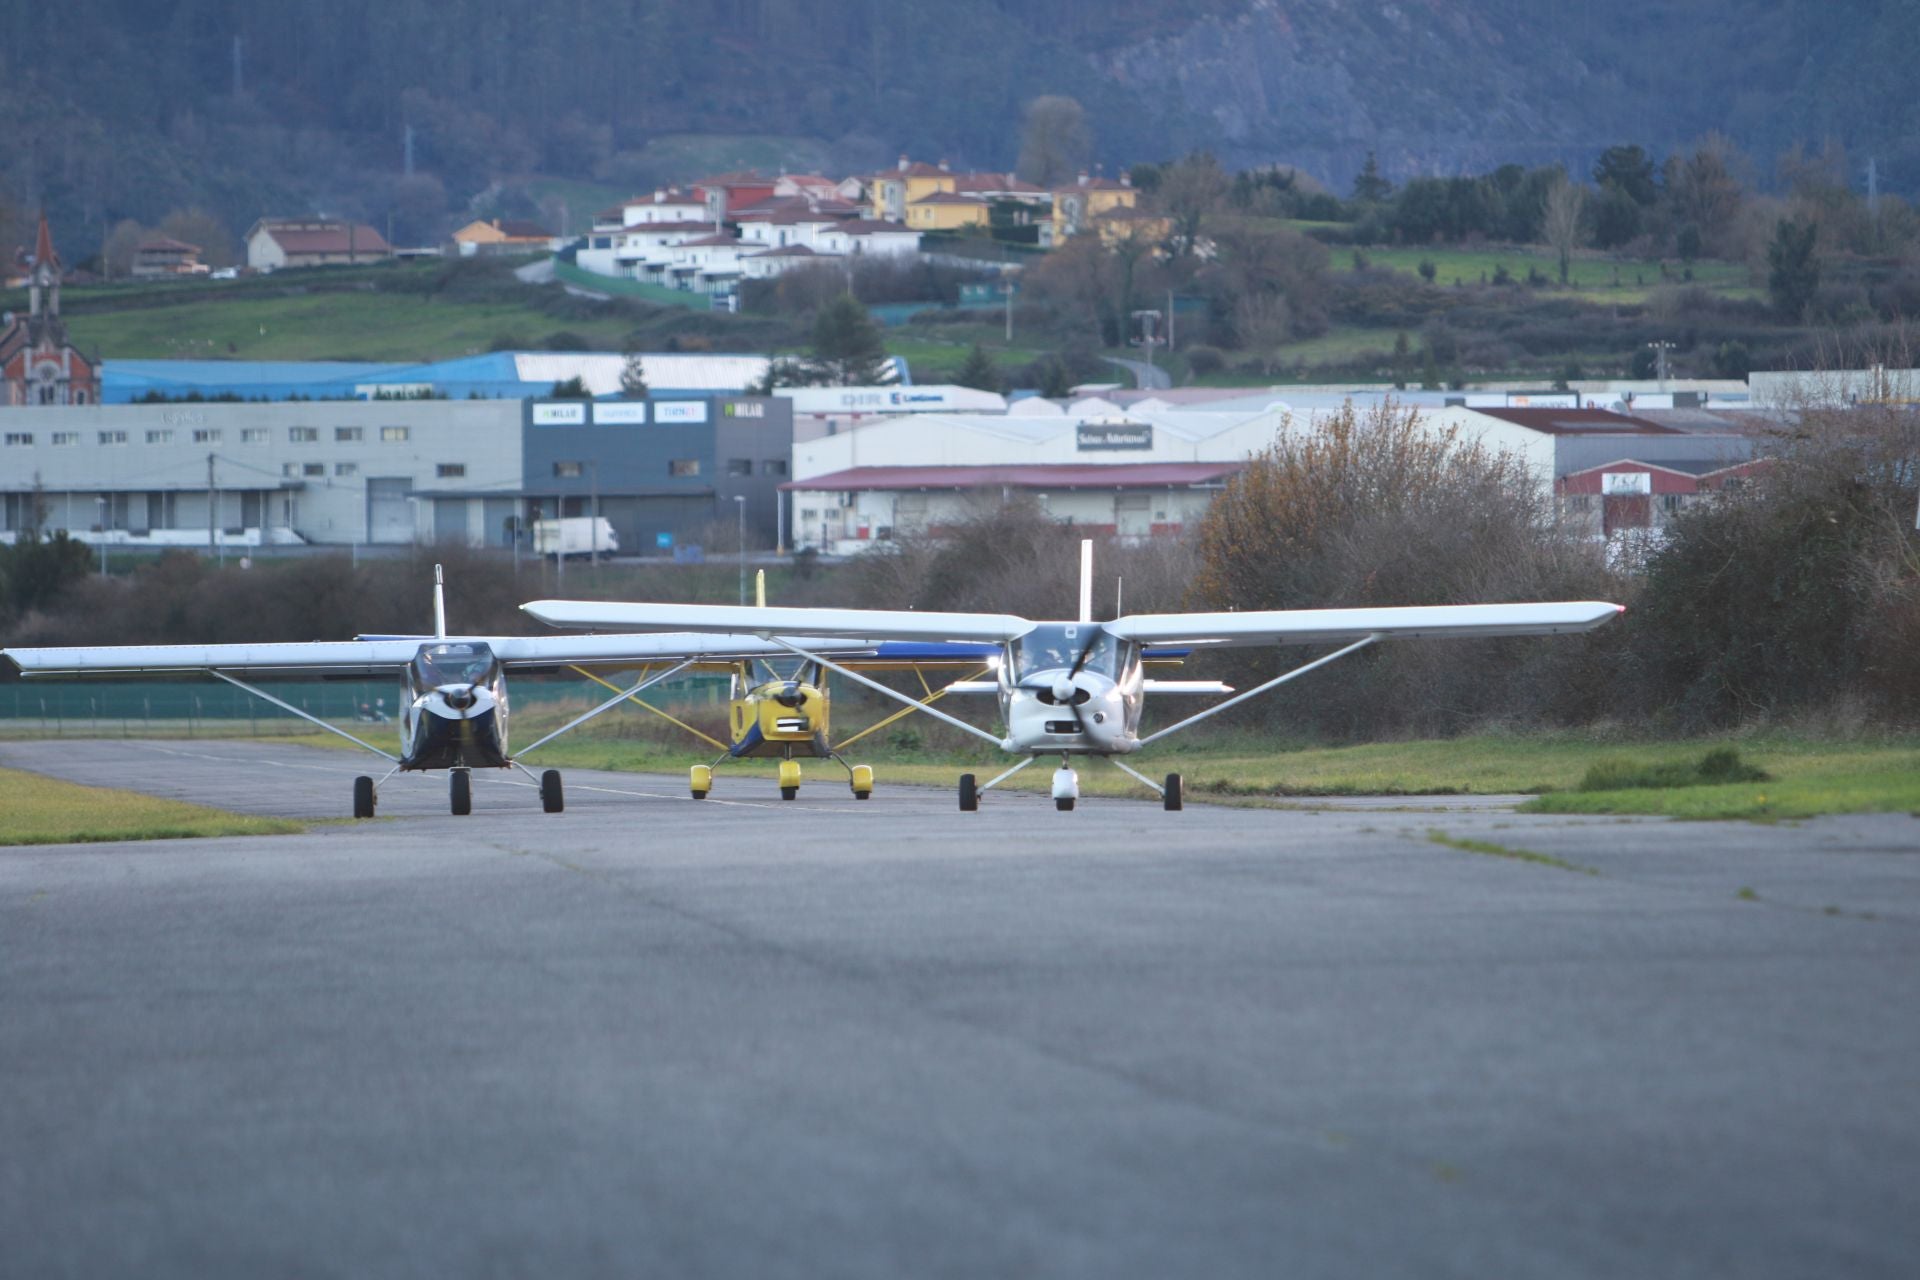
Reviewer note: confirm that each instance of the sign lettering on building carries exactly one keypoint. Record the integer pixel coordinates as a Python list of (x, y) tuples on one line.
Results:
[(745, 409), (620, 413), (1093, 437), (560, 415), (680, 411), (1626, 483)]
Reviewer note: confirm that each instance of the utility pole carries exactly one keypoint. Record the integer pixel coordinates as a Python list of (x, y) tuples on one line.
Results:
[(740, 506), (1006, 289), (213, 509), (1660, 350)]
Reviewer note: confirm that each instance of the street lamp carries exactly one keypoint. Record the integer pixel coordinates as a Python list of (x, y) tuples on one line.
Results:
[(740, 509), (102, 500)]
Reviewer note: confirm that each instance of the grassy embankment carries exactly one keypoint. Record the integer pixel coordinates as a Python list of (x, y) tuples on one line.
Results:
[(37, 810)]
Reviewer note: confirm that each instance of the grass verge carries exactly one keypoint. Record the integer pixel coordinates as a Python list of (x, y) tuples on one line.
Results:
[(1493, 850), (38, 810)]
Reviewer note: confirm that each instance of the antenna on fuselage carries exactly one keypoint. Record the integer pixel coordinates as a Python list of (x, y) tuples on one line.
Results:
[(1086, 579), (439, 604)]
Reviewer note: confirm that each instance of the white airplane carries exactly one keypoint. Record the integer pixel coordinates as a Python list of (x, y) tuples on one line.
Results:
[(1078, 688), (454, 695)]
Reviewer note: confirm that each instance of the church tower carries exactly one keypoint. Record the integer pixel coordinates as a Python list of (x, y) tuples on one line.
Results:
[(38, 364)]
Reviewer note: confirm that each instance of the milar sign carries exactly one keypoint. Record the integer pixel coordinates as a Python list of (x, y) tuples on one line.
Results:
[(1113, 435)]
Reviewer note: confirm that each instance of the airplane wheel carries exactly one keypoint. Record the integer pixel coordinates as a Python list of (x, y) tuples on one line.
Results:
[(460, 791), (863, 782), (552, 798), (1175, 792), (700, 780), (789, 779), (363, 797), (789, 793), (1064, 804), (969, 797)]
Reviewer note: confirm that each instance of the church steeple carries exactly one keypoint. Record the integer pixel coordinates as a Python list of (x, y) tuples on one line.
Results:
[(38, 365), (45, 279)]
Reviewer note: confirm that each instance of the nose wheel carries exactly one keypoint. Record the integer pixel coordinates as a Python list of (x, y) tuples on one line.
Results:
[(1066, 787), (460, 792)]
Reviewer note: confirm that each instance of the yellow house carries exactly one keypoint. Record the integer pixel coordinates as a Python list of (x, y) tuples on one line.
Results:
[(501, 235), (1126, 223), (890, 194), (1076, 207), (946, 211)]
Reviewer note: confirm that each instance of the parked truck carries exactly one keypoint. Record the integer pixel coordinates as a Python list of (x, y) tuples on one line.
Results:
[(575, 536)]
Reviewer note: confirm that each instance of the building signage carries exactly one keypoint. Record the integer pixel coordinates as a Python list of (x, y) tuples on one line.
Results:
[(745, 409), (560, 415), (1095, 436), (680, 411), (1626, 483), (620, 413)]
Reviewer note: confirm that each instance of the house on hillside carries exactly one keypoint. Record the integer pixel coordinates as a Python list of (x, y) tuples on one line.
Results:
[(724, 194), (273, 243), (948, 211), (1075, 207), (869, 237), (159, 256), (502, 235)]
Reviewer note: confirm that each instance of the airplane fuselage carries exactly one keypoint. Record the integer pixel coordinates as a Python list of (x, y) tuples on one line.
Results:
[(1072, 689), (454, 709)]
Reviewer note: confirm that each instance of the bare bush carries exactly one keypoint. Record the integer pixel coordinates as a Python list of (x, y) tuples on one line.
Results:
[(1384, 508)]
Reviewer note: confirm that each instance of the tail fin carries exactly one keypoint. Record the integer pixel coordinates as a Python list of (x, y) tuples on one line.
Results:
[(439, 604), (1086, 580)]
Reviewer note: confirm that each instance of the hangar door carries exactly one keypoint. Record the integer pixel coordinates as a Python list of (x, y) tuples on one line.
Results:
[(389, 513)]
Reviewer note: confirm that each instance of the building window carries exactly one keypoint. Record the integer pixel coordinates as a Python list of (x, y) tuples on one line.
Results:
[(567, 470), (159, 437), (289, 468), (19, 437), (113, 437), (253, 435), (394, 435), (302, 435), (684, 467), (346, 468), (348, 435), (773, 466), (207, 435), (739, 466), (451, 470), (66, 437), (314, 469)]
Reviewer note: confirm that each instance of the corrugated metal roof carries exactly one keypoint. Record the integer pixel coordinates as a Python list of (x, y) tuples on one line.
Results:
[(1065, 475)]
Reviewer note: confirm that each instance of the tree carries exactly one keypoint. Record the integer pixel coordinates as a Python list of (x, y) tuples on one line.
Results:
[(1189, 192), (847, 349), (1628, 170), (1264, 322), (117, 250), (1562, 223), (633, 376), (979, 371), (1793, 274), (1370, 187), (1055, 143), (574, 388), (201, 229), (1702, 188)]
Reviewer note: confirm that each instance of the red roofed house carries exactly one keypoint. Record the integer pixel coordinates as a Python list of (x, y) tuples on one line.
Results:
[(38, 366), (165, 256), (726, 193), (312, 242), (502, 235)]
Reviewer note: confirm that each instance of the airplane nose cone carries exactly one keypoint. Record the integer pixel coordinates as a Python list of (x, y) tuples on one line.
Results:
[(1063, 691), (461, 697)]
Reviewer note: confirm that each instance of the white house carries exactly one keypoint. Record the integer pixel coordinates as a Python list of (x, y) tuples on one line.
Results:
[(867, 236)]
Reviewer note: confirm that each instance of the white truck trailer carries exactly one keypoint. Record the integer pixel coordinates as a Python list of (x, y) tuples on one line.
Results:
[(575, 536)]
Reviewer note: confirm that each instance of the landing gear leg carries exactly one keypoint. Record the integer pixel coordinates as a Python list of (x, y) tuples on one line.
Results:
[(363, 797), (1066, 787), (460, 792)]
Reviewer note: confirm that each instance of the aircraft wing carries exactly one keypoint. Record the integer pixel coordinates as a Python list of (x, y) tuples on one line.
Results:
[(383, 657), (1333, 626), (849, 624)]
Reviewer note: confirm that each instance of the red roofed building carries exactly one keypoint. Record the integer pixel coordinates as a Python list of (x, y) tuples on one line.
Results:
[(38, 365), (727, 193), (273, 243)]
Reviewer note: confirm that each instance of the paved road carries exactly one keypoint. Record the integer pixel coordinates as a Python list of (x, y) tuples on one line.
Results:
[(1146, 376), (655, 1037)]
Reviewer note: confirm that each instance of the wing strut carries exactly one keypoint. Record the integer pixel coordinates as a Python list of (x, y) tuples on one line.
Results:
[(933, 695), (895, 694), (1258, 689), (264, 696), (645, 682)]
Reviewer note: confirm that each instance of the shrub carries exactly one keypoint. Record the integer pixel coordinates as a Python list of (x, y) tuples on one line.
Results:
[(1204, 360), (1721, 765)]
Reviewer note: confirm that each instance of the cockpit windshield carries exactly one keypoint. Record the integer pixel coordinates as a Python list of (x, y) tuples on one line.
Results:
[(1058, 646), (443, 664)]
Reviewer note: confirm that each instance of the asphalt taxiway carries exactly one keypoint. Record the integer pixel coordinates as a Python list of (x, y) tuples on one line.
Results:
[(746, 1037)]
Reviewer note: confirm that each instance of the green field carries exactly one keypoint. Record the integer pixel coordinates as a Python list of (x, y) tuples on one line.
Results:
[(1597, 278), (327, 326), (37, 810)]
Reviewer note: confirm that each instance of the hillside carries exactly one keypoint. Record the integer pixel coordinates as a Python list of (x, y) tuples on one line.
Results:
[(134, 110)]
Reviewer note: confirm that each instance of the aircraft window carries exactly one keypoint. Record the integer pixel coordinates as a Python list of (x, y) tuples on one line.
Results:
[(453, 664), (1051, 648)]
